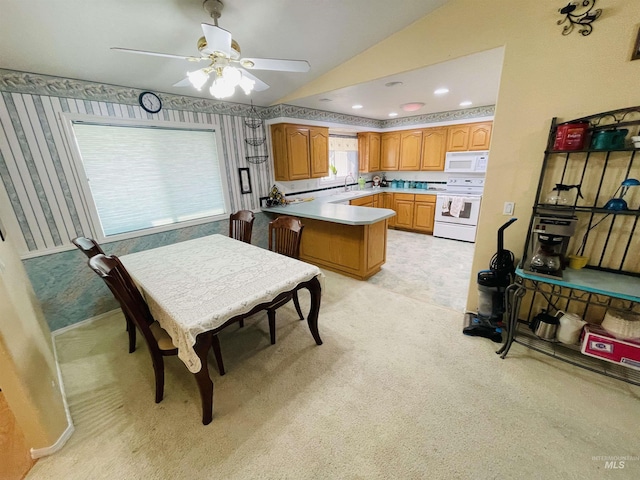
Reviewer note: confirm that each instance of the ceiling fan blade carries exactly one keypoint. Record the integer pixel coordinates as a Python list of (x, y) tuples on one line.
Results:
[(168, 55), (259, 86), (185, 82), (276, 64), (218, 40)]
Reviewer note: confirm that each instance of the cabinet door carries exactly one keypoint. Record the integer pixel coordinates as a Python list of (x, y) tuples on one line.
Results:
[(389, 150), (376, 200), (479, 136), (403, 205), (410, 150), (387, 202), (424, 215), (368, 152), (280, 164), (434, 149), (298, 152), (458, 138), (374, 152), (319, 155)]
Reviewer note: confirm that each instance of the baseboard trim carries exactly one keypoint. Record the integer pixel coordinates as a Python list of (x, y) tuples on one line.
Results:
[(62, 330)]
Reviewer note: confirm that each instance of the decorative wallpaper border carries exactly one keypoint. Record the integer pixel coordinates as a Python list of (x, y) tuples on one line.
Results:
[(37, 84)]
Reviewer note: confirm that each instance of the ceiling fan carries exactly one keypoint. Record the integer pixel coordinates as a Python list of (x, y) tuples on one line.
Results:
[(224, 59)]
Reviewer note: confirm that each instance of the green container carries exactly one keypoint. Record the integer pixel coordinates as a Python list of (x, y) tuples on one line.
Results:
[(609, 139)]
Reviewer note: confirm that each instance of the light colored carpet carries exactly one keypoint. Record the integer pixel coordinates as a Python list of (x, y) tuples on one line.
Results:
[(396, 391)]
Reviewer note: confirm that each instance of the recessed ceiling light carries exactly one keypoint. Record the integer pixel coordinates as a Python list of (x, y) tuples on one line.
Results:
[(466, 104), (393, 114), (356, 106), (441, 91), (392, 84), (412, 107), (325, 100)]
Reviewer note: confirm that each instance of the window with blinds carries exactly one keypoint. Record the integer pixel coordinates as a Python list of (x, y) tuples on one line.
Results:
[(142, 178)]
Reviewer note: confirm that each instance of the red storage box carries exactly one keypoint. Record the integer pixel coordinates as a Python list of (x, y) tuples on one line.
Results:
[(571, 136), (599, 343)]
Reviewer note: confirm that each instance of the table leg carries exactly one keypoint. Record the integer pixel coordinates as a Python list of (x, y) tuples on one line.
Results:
[(315, 290), (205, 385)]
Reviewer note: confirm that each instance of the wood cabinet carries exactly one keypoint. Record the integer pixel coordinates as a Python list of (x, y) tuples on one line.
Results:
[(434, 149), (403, 204), (354, 250), (369, 152), (299, 151), (424, 213), (410, 150), (363, 201), (414, 212), (386, 201), (390, 151), (473, 136)]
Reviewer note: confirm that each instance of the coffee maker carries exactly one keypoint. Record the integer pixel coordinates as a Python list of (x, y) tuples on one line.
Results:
[(548, 244)]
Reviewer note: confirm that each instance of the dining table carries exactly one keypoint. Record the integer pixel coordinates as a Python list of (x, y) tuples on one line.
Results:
[(195, 288)]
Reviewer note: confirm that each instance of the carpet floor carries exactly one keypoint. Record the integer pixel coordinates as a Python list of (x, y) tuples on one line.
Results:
[(395, 391)]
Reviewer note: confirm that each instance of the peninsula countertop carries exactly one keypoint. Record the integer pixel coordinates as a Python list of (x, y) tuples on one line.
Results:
[(332, 207)]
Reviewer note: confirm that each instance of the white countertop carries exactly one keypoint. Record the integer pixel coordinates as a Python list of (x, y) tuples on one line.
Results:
[(331, 208)]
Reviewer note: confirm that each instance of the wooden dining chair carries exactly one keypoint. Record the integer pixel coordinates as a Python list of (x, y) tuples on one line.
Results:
[(241, 224), (160, 345), (91, 248), (285, 234)]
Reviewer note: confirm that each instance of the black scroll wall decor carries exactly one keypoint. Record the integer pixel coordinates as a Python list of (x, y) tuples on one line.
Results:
[(581, 14)]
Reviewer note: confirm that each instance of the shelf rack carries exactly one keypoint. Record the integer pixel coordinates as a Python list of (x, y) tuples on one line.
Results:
[(610, 238)]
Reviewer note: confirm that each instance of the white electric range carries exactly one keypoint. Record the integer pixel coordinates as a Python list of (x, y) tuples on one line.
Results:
[(458, 208)]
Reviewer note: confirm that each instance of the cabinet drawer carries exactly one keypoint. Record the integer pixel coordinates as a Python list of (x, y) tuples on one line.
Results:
[(362, 201), (426, 198), (410, 197)]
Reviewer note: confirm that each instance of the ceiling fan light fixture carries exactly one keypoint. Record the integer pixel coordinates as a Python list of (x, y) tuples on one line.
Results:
[(246, 84), (231, 75), (221, 89), (198, 78)]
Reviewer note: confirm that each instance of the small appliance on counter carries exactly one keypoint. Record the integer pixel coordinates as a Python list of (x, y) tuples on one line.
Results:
[(376, 181), (548, 245)]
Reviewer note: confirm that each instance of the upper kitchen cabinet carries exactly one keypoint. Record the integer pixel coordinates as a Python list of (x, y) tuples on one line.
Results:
[(434, 149), (369, 152), (474, 136), (300, 151), (390, 151), (410, 149)]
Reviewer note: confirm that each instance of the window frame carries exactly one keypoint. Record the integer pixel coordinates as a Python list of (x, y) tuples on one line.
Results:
[(89, 204)]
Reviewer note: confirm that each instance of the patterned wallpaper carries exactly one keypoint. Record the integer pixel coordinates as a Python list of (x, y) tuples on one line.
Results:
[(40, 180)]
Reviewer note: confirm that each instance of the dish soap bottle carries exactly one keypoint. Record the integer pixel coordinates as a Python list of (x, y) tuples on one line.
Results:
[(361, 183)]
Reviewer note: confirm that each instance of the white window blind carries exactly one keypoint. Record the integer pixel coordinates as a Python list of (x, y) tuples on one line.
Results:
[(146, 177)]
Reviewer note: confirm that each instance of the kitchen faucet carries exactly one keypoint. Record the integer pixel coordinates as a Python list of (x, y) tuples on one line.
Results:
[(347, 188)]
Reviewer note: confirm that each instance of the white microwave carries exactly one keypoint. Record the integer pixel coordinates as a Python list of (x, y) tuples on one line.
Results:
[(466, 162)]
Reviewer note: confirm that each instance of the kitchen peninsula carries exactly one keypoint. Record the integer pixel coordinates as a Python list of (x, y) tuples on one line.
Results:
[(346, 239)]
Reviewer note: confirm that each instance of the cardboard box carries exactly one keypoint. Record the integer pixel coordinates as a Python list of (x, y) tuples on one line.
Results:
[(599, 343)]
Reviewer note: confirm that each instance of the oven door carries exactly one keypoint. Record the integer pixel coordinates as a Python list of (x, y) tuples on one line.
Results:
[(458, 209)]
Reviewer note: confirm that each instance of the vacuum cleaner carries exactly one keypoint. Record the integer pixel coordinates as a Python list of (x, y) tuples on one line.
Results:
[(492, 284)]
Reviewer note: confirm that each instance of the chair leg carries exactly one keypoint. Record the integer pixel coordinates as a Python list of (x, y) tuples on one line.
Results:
[(215, 344), (158, 369), (272, 325), (296, 302), (131, 330)]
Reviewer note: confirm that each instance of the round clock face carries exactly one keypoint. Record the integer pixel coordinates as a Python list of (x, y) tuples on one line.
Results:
[(150, 102)]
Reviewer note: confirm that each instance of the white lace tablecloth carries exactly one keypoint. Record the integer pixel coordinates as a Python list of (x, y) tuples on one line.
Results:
[(196, 286)]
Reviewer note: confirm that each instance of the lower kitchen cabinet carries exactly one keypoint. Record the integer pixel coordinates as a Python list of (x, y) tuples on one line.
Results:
[(424, 213), (403, 204), (414, 212), (367, 201)]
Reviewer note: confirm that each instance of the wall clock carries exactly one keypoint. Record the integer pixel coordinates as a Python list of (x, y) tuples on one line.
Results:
[(150, 102)]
